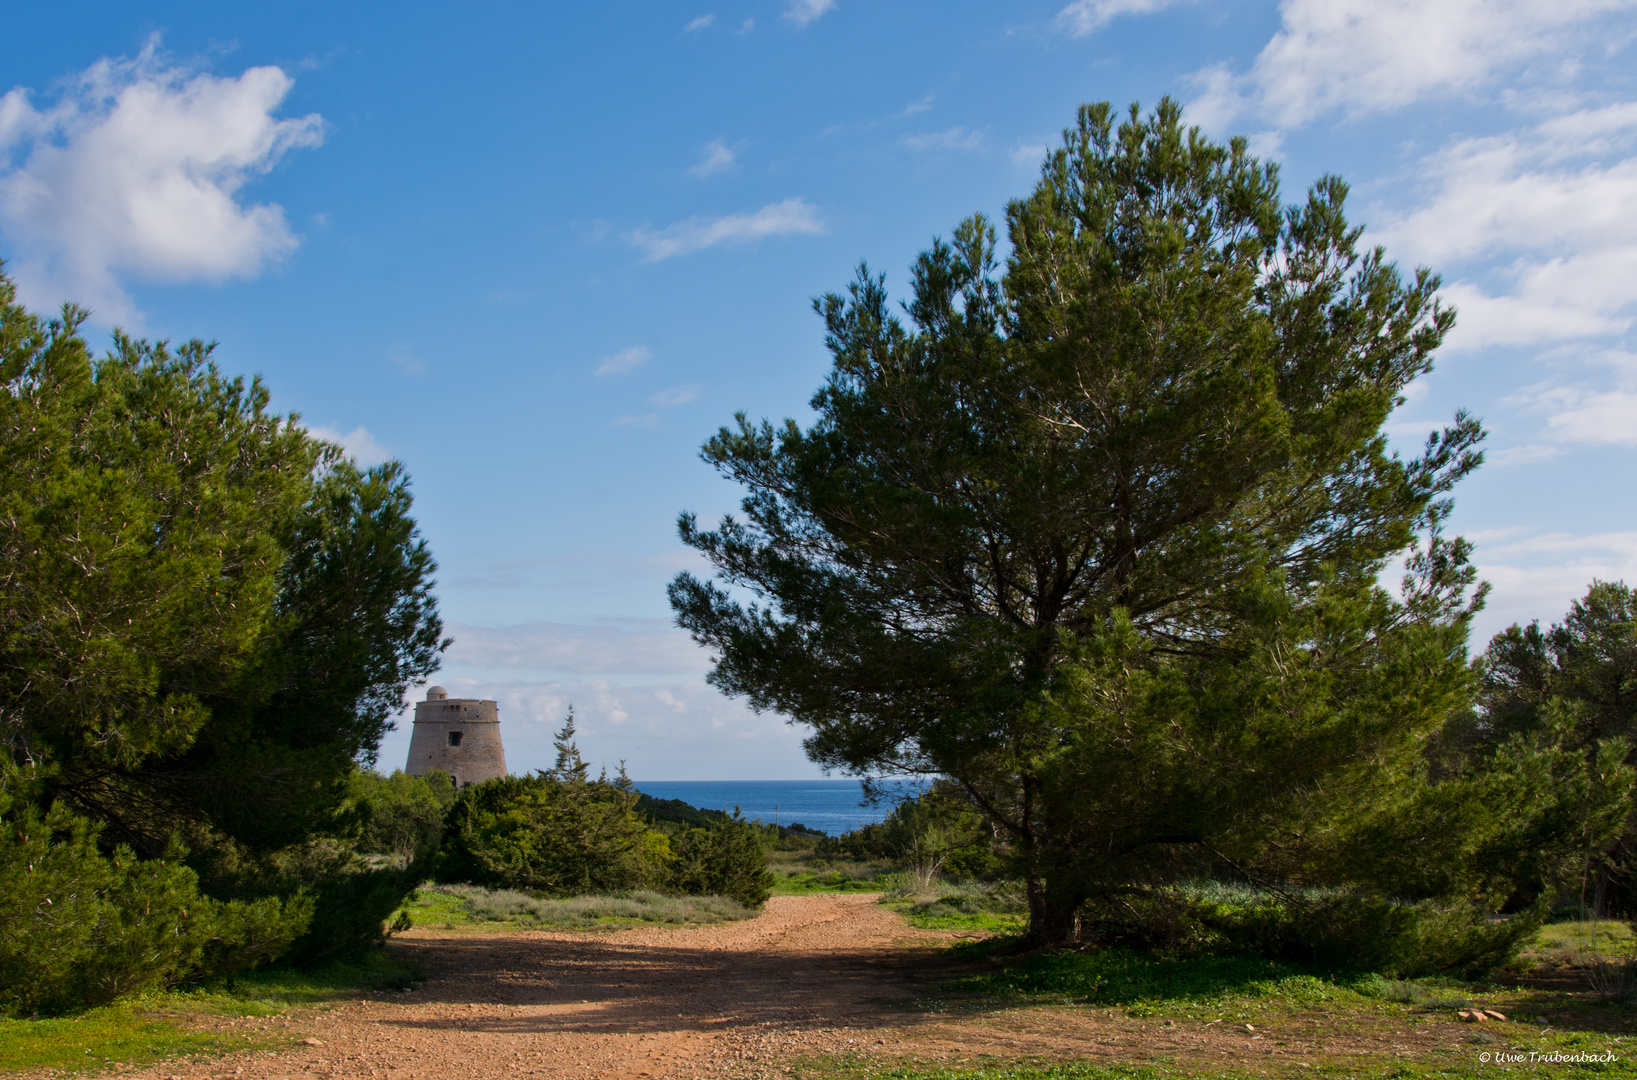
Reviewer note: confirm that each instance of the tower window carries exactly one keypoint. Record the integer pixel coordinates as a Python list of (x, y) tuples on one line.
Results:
[(454, 738)]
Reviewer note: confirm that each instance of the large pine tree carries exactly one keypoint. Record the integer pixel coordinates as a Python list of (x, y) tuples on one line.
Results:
[(1097, 534)]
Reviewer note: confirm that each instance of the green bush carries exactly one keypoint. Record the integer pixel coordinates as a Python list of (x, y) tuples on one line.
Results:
[(1330, 929), (550, 835), (79, 929), (577, 912), (401, 815), (937, 831), (724, 859), (352, 897)]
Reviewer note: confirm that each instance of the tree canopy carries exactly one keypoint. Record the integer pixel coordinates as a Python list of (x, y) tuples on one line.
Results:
[(1097, 533), (207, 615)]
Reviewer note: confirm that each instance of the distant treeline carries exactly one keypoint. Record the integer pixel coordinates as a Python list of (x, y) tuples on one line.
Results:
[(682, 813)]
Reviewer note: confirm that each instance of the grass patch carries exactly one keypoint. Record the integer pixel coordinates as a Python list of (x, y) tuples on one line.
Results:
[(159, 1026), (100, 1038), (469, 905), (274, 989), (976, 907), (856, 1069), (1135, 979), (839, 880), (1582, 942)]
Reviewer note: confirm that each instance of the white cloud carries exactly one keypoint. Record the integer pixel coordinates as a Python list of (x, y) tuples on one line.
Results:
[(719, 157), (406, 360), (676, 395), (699, 23), (1030, 154), (359, 444), (1087, 16), (1583, 412), (956, 138), (1364, 56), (918, 106), (802, 12), (138, 169), (746, 27), (645, 420), (1550, 212), (1537, 576), (628, 646), (623, 361), (785, 218), (673, 730)]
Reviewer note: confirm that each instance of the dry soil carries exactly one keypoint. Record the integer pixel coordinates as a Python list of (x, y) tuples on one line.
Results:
[(810, 977)]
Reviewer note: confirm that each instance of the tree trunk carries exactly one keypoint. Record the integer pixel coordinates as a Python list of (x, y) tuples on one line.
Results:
[(1054, 917)]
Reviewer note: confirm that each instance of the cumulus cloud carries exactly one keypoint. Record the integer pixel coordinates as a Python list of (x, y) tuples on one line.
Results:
[(137, 170), (719, 157), (624, 360), (956, 138), (1365, 56), (802, 12), (787, 218), (1548, 214), (1088, 16), (359, 444)]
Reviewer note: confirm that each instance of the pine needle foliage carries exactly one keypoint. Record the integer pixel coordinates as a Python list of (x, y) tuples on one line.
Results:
[(1096, 534)]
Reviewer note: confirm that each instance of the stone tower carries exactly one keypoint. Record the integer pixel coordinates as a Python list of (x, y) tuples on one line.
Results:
[(461, 736)]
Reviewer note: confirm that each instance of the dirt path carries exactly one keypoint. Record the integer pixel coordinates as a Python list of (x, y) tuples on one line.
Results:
[(807, 976), (811, 976)]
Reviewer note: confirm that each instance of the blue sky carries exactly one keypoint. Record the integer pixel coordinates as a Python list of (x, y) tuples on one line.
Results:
[(540, 252)]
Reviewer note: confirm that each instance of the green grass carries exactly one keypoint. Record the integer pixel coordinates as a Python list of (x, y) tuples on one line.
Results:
[(973, 907), (1135, 980), (158, 1026), (844, 880), (451, 906), (859, 1070), (1473, 1069), (1580, 941), (97, 1039)]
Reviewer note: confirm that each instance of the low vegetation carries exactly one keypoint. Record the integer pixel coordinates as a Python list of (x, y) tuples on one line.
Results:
[(254, 1010), (450, 906)]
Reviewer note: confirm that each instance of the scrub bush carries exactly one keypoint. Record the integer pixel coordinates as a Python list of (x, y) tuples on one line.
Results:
[(79, 928), (725, 859)]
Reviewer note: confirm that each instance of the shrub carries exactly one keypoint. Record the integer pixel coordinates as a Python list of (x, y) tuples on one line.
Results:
[(1332, 929), (79, 929), (352, 897), (401, 815), (725, 859), (641, 905), (939, 830), (550, 835)]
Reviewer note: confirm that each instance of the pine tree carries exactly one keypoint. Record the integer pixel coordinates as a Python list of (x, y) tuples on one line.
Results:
[(1097, 536)]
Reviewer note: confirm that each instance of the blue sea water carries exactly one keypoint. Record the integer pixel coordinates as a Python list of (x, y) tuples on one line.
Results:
[(831, 806)]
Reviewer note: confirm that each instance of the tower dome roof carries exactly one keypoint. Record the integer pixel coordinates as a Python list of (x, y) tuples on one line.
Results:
[(436, 693)]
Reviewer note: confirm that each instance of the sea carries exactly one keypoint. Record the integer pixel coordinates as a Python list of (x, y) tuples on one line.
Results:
[(830, 806)]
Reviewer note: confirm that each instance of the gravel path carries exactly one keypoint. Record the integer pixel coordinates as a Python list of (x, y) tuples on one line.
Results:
[(810, 975)]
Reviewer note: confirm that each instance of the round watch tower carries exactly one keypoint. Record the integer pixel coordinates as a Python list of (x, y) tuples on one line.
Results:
[(461, 736)]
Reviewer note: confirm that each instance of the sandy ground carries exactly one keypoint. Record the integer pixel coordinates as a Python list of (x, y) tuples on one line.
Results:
[(819, 975)]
